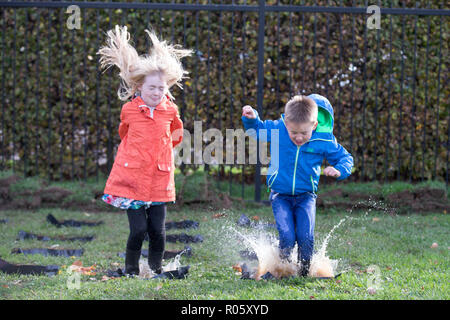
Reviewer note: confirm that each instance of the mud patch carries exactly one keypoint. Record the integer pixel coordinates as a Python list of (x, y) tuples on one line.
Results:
[(184, 238), (184, 224), (71, 223), (179, 273), (45, 197), (245, 221), (23, 235), (419, 201), (50, 252), (11, 268)]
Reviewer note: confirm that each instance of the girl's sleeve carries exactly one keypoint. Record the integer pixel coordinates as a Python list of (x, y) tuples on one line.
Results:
[(176, 129), (123, 126)]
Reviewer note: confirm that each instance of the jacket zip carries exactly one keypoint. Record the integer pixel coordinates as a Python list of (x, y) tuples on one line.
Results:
[(318, 139), (273, 177), (295, 170)]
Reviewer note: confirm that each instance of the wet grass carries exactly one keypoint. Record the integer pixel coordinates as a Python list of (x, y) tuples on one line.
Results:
[(397, 247), (400, 246)]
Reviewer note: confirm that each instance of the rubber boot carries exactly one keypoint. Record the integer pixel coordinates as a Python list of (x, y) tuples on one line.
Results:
[(304, 271), (155, 261), (132, 262), (285, 255)]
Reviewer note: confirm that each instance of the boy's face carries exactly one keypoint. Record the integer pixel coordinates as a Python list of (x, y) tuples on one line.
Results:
[(153, 89), (300, 132)]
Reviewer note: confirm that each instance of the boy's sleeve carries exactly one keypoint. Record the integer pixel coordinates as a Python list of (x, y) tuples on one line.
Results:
[(123, 126), (340, 159), (176, 128), (262, 128)]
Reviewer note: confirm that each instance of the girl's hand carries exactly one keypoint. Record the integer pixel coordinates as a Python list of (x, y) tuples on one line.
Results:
[(331, 172), (247, 111)]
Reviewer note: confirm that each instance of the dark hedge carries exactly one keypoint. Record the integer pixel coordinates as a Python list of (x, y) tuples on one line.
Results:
[(59, 114)]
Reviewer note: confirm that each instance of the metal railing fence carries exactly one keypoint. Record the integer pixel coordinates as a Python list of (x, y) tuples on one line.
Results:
[(388, 85)]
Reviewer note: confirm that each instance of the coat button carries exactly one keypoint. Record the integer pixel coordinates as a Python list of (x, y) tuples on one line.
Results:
[(126, 164)]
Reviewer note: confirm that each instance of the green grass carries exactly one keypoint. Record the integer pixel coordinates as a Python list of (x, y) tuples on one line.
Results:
[(399, 246), (196, 184)]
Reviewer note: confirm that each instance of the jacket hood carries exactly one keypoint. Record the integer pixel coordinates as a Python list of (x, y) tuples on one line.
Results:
[(325, 115)]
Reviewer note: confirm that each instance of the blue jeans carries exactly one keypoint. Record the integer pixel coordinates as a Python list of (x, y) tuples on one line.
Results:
[(295, 218)]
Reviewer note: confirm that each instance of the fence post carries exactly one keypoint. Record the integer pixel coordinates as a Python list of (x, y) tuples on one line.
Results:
[(260, 87)]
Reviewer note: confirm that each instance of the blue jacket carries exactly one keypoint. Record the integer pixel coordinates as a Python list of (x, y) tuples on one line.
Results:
[(296, 169)]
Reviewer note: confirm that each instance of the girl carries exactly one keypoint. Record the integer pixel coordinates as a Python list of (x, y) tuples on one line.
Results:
[(142, 177)]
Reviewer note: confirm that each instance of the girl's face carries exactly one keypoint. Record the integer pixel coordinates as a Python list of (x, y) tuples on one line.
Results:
[(153, 89)]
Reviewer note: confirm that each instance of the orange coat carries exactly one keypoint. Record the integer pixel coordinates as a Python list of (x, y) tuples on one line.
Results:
[(144, 165)]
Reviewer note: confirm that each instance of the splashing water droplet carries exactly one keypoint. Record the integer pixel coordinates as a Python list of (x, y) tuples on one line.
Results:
[(266, 248), (145, 272), (268, 254), (175, 264), (321, 264)]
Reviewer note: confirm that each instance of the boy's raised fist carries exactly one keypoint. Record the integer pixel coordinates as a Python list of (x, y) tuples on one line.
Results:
[(247, 111)]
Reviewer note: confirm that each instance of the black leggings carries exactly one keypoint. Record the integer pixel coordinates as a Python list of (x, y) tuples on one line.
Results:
[(151, 221)]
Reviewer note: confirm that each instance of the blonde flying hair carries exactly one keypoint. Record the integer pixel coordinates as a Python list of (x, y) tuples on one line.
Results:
[(162, 58)]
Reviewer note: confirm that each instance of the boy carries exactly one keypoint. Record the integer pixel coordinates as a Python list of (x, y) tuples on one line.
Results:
[(306, 137)]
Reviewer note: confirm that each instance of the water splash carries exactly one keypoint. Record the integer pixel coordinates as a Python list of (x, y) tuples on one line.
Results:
[(145, 272), (321, 264), (174, 264), (267, 251), (324, 246)]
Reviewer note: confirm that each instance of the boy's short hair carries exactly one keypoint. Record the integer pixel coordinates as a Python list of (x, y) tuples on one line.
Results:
[(300, 109)]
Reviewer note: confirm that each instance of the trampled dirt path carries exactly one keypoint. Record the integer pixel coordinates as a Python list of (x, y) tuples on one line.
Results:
[(418, 201)]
